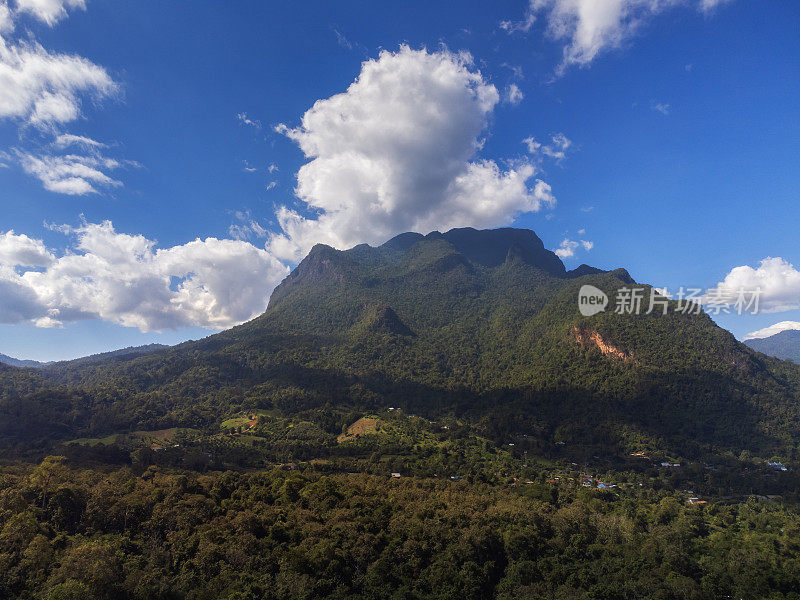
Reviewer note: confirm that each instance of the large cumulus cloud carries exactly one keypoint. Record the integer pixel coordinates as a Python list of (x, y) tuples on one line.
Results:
[(397, 152), (126, 279)]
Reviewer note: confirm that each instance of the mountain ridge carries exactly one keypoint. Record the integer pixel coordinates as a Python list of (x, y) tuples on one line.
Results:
[(784, 345), (491, 248), (19, 362), (127, 351)]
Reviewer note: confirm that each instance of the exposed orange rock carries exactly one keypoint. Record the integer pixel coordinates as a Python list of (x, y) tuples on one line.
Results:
[(592, 338)]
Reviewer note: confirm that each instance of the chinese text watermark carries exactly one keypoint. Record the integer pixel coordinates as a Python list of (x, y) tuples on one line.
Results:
[(642, 300)]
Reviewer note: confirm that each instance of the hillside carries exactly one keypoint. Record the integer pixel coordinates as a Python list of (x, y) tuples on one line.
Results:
[(784, 345), (480, 325), (16, 362), (100, 357)]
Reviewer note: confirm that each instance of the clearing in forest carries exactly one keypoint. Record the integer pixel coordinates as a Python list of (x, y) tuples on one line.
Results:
[(364, 426)]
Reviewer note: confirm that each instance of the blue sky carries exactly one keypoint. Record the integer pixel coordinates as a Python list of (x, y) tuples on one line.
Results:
[(682, 122)]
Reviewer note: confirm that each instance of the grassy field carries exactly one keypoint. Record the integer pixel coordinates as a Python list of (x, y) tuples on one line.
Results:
[(364, 426), (159, 438), (236, 422)]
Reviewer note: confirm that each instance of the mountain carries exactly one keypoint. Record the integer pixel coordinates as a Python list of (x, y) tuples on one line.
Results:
[(16, 362), (482, 326), (129, 351), (784, 345), (104, 356)]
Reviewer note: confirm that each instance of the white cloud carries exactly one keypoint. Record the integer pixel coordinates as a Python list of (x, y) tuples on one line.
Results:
[(126, 280), (532, 144), (65, 140), (568, 247), (709, 5), (589, 27), (396, 152), (272, 168), (18, 302), (543, 195), (513, 95), (662, 108), (20, 250), (342, 40), (44, 88), (773, 329), (244, 119), (272, 185), (245, 227), (72, 174), (516, 70), (49, 12), (556, 149), (778, 280), (523, 26), (6, 19)]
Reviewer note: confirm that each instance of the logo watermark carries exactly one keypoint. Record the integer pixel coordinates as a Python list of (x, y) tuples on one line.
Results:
[(591, 300), (688, 301)]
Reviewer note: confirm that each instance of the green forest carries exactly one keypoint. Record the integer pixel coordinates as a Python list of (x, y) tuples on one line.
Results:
[(160, 533)]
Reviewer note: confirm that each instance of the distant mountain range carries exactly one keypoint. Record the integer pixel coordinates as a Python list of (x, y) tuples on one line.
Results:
[(129, 351), (16, 362), (784, 345)]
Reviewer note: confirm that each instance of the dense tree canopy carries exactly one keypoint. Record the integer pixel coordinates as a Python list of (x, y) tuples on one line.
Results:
[(67, 533)]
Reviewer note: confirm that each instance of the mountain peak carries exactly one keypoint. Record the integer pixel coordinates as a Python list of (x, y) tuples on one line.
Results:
[(381, 318), (322, 263), (784, 345), (403, 242), (463, 247), (491, 247)]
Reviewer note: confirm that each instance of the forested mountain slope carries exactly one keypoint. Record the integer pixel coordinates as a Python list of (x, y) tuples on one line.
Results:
[(483, 325)]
